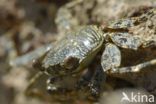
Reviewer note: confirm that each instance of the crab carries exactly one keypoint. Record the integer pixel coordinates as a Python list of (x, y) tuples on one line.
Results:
[(77, 50)]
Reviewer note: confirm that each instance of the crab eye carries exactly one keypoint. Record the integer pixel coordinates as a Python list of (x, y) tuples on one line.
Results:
[(37, 65), (70, 62)]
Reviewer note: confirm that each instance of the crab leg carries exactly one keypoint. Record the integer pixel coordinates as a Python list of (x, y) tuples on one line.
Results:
[(126, 40), (93, 79), (150, 42), (28, 90), (97, 81), (111, 59), (135, 68)]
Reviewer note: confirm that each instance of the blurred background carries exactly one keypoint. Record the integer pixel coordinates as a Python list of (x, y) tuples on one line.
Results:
[(27, 25)]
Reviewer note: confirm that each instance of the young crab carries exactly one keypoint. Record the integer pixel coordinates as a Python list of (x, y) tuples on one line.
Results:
[(78, 48)]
